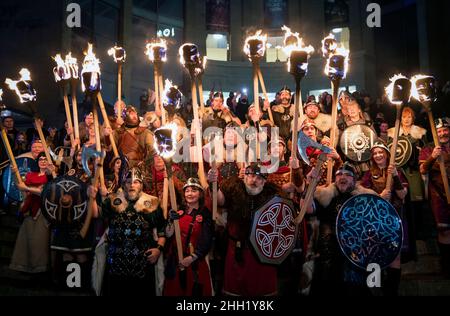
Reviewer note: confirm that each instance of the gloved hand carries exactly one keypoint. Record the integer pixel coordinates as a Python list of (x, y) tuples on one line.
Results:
[(173, 215)]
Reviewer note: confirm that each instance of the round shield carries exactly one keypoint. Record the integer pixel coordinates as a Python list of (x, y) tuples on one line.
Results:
[(274, 232), (369, 231), (25, 165), (404, 151), (64, 201), (356, 142)]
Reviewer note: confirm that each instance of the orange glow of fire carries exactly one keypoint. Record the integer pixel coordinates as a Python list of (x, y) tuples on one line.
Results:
[(150, 50), (257, 36), (390, 88)]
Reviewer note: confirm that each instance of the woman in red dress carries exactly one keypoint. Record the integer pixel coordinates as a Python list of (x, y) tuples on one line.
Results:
[(196, 227)]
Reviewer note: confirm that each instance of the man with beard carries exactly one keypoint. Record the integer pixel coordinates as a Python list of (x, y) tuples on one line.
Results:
[(244, 274), (134, 141), (284, 113), (133, 246), (429, 165), (322, 121), (334, 274), (218, 115)]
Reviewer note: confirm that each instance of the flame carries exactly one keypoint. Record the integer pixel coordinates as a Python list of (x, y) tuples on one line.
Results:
[(1, 95), (24, 96), (114, 52), (72, 65), (327, 51), (296, 45), (257, 36), (334, 49), (415, 92), (163, 149), (199, 66), (60, 71), (90, 64), (390, 88), (167, 86), (150, 50)]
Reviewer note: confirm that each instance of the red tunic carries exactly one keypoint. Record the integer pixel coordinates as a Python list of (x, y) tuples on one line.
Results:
[(32, 202), (196, 279)]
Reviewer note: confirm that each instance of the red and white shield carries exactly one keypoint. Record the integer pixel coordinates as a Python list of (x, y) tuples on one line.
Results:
[(274, 232)]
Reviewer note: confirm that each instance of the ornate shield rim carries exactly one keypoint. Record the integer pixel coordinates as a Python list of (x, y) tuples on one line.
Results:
[(410, 152), (341, 140)]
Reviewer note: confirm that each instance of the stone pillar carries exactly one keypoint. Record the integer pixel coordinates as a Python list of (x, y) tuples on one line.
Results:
[(236, 30), (195, 24), (125, 39), (313, 22), (253, 14), (294, 15), (422, 30)]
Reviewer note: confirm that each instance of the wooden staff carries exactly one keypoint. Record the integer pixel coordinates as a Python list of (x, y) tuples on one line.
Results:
[(11, 157), (333, 134), (436, 144), (263, 87), (214, 184), (176, 223), (165, 197), (295, 127), (119, 81), (256, 87), (68, 116), (76, 129), (198, 136), (107, 124), (87, 222), (98, 145), (393, 152), (200, 90), (38, 122), (161, 91)]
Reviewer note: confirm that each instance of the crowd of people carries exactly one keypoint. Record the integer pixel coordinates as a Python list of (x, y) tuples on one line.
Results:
[(130, 246)]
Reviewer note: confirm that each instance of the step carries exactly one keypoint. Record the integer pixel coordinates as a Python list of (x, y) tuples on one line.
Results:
[(425, 265), (422, 287)]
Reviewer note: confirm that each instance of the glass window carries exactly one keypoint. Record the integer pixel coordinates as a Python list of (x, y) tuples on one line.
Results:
[(217, 47), (342, 35), (274, 51)]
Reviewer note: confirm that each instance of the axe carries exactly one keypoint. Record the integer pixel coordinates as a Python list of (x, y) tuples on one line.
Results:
[(86, 154), (303, 143)]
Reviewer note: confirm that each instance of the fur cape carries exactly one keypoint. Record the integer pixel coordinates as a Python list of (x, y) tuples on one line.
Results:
[(145, 204), (324, 195), (417, 132)]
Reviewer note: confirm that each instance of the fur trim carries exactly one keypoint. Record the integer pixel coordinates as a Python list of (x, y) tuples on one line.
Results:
[(324, 195), (323, 122), (118, 202), (417, 132), (146, 203)]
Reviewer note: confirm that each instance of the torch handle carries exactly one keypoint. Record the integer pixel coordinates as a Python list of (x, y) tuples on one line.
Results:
[(68, 115), (176, 223), (11, 157), (165, 197), (200, 92), (161, 92), (440, 159), (44, 143), (295, 126), (119, 81), (198, 136), (263, 87), (98, 145), (256, 88), (107, 124), (75, 111), (157, 93), (393, 152), (310, 191), (87, 222), (333, 134)]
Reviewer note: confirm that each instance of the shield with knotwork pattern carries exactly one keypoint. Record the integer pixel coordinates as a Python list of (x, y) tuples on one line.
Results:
[(274, 232)]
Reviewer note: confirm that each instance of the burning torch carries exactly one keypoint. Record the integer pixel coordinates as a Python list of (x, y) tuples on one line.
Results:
[(190, 59), (157, 53), (424, 90), (298, 67), (5, 140), (119, 54), (92, 86), (63, 74), (399, 94), (255, 49), (27, 95), (165, 144), (72, 64), (336, 69)]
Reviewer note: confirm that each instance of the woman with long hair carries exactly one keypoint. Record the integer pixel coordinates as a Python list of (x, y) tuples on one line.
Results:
[(191, 276)]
